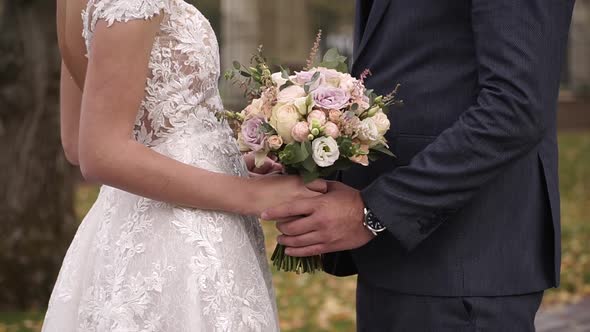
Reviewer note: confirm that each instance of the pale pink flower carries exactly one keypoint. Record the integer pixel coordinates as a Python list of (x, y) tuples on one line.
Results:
[(300, 132), (316, 117), (332, 130)]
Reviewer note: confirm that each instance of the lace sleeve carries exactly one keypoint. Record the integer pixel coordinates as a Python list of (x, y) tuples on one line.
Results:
[(113, 11), (126, 10)]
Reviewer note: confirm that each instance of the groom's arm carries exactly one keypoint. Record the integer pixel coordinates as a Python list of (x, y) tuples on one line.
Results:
[(518, 48)]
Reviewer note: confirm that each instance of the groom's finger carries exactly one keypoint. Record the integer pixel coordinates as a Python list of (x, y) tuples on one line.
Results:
[(283, 220), (297, 227), (320, 186), (300, 241), (302, 207)]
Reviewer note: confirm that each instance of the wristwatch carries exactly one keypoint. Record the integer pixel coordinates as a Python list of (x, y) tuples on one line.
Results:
[(372, 223)]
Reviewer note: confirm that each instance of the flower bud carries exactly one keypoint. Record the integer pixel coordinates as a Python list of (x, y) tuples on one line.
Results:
[(373, 111)]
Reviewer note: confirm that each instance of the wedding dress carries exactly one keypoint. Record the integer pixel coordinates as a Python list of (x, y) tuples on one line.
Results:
[(138, 264)]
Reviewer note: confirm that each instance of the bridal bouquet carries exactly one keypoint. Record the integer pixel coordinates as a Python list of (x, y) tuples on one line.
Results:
[(314, 122)]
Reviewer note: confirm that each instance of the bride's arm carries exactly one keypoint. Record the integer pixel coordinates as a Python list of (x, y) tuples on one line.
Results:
[(69, 108), (114, 88)]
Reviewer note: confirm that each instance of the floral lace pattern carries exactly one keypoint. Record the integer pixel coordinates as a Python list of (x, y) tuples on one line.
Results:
[(141, 265)]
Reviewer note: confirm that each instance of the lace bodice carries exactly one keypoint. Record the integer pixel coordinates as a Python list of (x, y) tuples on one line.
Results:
[(184, 63)]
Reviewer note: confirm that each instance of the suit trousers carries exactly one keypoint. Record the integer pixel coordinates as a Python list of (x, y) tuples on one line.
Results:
[(382, 310)]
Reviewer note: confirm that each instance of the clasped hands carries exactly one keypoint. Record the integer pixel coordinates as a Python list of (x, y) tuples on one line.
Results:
[(327, 223)]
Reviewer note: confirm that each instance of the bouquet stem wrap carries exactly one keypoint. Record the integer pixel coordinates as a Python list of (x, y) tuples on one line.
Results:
[(299, 265)]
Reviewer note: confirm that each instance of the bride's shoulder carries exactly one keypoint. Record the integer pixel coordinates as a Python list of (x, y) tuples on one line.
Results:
[(127, 10)]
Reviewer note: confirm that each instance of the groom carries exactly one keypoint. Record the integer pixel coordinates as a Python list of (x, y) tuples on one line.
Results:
[(461, 232)]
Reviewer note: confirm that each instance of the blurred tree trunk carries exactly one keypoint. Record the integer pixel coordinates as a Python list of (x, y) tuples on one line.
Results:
[(36, 183)]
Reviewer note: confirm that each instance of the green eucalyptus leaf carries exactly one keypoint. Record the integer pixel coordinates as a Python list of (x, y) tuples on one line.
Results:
[(332, 55), (286, 85), (381, 148), (267, 129), (310, 165), (285, 73), (309, 176)]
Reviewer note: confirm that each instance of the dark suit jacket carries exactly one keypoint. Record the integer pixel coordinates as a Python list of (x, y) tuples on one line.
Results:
[(471, 203)]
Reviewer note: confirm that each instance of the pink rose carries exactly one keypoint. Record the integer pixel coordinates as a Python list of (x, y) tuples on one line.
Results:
[(300, 132), (275, 142), (332, 130), (363, 158), (335, 116), (252, 135), (330, 98), (360, 159), (317, 117)]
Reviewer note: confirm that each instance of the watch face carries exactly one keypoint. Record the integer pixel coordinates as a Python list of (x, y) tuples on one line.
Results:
[(373, 222)]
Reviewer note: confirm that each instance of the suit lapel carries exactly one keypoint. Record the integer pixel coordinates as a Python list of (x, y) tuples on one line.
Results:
[(377, 11)]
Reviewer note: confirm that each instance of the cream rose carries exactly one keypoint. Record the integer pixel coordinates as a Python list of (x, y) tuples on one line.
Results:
[(367, 130), (325, 151), (283, 118), (303, 107), (291, 93), (382, 122)]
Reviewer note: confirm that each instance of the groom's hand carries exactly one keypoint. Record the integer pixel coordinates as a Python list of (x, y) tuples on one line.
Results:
[(328, 223)]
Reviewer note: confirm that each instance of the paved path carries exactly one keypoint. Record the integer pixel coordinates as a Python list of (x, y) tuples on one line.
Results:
[(572, 318)]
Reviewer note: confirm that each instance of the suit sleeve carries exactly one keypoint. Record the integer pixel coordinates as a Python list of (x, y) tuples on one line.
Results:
[(519, 46)]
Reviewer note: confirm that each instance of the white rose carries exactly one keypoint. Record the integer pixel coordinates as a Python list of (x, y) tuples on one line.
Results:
[(278, 79), (284, 117), (325, 151), (331, 77), (291, 93), (382, 122), (367, 130), (348, 83)]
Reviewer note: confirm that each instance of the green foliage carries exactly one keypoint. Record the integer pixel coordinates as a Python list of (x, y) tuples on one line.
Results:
[(334, 60)]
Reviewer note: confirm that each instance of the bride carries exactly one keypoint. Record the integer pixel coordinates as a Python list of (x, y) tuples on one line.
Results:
[(172, 242)]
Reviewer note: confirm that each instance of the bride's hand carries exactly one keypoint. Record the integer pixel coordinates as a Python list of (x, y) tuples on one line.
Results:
[(271, 191), (269, 167)]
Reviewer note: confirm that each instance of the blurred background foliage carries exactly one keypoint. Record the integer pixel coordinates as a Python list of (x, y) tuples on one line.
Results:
[(42, 198)]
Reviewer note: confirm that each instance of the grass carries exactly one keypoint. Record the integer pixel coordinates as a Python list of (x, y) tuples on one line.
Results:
[(324, 303)]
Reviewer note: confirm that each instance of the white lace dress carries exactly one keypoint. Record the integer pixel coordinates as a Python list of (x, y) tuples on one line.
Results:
[(137, 264)]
